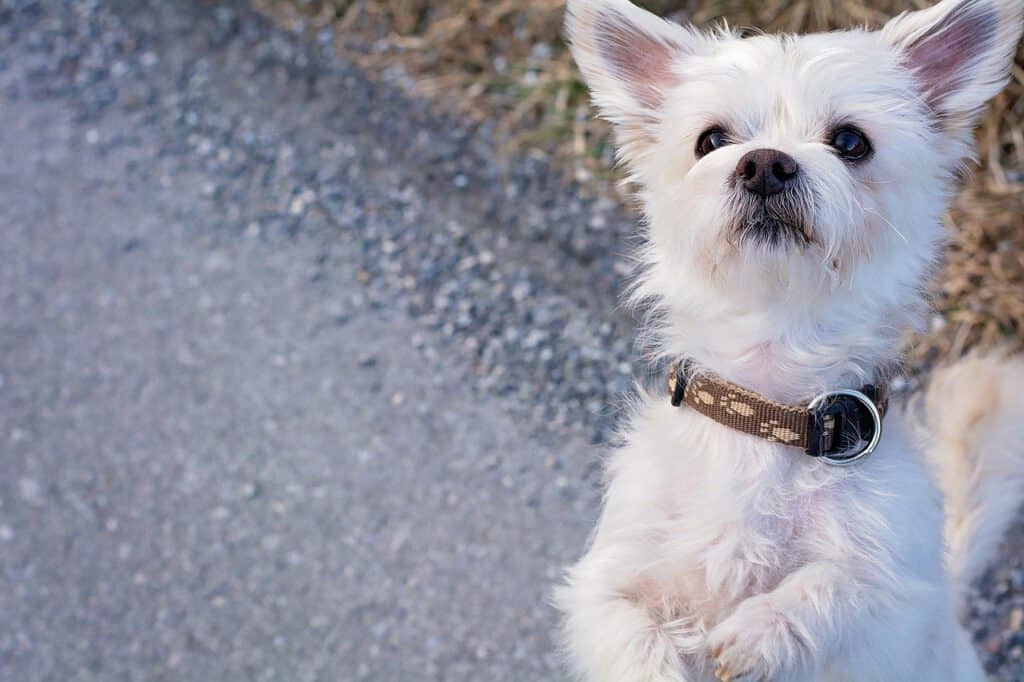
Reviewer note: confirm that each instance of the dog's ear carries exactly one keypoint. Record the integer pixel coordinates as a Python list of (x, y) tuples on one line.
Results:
[(629, 59), (960, 51)]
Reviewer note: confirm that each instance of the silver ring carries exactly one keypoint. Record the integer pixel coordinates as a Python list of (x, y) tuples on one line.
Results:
[(876, 416)]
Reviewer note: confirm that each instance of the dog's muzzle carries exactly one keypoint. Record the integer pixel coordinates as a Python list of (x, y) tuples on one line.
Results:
[(766, 210)]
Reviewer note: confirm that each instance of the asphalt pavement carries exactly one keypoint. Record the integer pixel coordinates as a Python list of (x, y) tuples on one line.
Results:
[(223, 455)]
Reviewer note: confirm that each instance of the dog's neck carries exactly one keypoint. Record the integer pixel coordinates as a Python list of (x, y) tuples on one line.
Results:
[(788, 328), (783, 359)]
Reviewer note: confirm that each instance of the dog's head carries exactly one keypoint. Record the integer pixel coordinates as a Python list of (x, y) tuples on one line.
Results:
[(785, 169)]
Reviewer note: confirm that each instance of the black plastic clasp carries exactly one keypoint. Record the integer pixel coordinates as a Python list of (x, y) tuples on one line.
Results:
[(677, 381), (818, 429), (838, 426)]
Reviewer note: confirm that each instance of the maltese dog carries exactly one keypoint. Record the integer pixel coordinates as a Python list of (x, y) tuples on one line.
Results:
[(770, 516)]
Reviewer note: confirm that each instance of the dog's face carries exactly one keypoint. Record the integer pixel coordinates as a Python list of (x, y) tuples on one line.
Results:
[(790, 167)]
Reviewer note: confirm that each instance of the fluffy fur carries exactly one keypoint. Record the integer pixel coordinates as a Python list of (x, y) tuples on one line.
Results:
[(722, 554)]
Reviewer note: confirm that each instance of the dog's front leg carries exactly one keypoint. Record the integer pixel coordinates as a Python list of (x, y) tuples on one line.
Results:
[(782, 634), (613, 635)]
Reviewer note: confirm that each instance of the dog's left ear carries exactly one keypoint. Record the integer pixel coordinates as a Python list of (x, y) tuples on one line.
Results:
[(629, 59), (960, 52)]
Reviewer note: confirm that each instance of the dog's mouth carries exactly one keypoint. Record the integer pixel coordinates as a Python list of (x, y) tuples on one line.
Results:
[(774, 222)]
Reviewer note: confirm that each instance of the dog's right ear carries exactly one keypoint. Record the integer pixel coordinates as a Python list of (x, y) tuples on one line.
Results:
[(629, 59), (960, 52)]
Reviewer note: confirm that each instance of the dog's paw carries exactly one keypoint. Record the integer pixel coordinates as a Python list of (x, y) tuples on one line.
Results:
[(757, 642)]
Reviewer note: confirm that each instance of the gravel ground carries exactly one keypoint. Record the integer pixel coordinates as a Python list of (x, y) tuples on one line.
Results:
[(508, 258), (230, 259)]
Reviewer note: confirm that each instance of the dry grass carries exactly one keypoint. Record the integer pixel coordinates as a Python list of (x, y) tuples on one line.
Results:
[(504, 59)]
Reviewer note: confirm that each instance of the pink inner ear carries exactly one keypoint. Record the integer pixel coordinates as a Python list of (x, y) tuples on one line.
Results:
[(640, 60), (942, 57)]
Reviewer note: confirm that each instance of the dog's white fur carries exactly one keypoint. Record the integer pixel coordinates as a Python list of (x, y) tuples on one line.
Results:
[(720, 552)]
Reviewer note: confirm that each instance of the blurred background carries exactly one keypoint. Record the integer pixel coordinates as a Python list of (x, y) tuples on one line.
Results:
[(310, 337)]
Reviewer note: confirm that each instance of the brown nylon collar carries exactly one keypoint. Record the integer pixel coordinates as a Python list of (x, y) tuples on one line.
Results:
[(835, 425)]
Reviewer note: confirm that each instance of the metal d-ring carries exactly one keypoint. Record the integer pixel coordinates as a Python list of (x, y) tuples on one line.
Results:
[(876, 417)]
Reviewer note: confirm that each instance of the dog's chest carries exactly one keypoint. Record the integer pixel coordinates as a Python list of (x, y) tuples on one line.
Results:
[(743, 541)]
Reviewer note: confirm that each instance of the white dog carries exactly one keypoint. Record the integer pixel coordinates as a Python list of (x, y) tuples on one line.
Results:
[(794, 190)]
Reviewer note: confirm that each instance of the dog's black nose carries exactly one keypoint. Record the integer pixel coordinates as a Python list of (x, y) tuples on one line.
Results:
[(766, 171)]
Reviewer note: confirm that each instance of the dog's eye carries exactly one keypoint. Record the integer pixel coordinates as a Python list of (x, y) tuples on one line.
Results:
[(851, 144), (710, 140)]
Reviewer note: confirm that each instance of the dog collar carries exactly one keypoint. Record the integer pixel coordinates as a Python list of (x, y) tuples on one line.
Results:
[(840, 427)]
